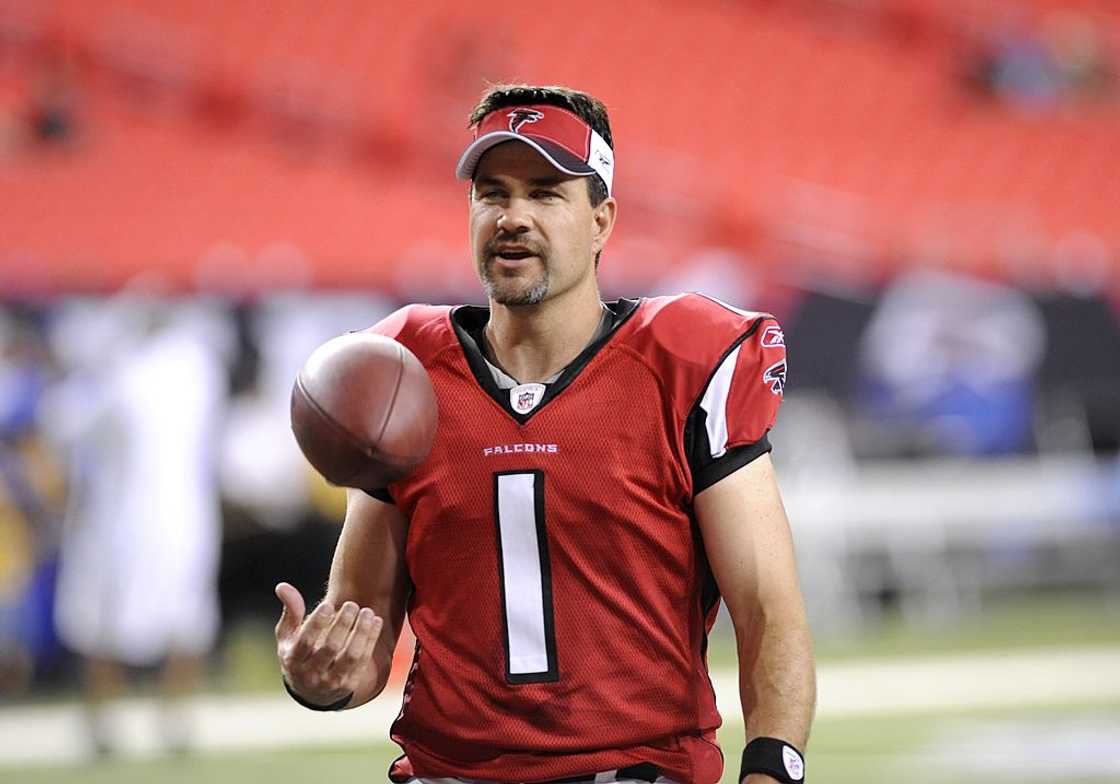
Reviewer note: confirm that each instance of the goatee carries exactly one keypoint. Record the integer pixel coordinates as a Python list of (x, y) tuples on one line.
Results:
[(513, 297)]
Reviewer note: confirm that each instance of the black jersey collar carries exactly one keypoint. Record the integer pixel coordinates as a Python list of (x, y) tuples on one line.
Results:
[(469, 321)]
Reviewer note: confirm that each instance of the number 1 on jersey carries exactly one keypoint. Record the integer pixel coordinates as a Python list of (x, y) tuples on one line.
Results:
[(525, 575)]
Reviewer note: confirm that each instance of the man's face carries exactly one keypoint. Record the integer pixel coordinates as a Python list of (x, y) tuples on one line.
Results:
[(534, 232)]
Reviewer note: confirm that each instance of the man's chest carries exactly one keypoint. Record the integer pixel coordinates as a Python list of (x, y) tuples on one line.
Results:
[(601, 459), (580, 509), (610, 427)]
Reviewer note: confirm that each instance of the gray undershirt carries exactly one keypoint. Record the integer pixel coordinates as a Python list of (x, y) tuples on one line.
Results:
[(506, 381)]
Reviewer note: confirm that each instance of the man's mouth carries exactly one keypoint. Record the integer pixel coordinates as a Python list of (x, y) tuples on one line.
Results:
[(513, 254)]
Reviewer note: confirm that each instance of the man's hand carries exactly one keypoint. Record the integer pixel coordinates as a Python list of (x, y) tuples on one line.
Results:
[(328, 655)]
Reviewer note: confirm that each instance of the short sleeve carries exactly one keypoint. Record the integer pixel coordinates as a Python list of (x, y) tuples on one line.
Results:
[(728, 426)]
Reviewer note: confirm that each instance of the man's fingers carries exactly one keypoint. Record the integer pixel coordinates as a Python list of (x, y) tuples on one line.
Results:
[(359, 646), (336, 636), (291, 616), (318, 622)]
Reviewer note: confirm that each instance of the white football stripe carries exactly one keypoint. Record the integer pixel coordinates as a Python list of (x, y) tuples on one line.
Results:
[(714, 403)]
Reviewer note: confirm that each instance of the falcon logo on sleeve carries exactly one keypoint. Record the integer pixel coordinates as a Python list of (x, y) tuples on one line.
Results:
[(775, 377), (519, 117)]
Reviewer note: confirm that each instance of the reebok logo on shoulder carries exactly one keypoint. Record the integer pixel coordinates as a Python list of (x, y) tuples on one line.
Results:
[(772, 337)]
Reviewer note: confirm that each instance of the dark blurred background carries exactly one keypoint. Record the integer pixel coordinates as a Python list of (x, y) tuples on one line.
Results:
[(194, 194)]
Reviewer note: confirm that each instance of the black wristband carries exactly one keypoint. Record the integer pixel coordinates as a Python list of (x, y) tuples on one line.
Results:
[(337, 705), (775, 758)]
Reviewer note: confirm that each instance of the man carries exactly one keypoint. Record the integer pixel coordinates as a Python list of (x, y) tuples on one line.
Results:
[(600, 478), (138, 581)]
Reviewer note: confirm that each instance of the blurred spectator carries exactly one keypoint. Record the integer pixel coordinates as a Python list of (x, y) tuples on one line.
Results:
[(138, 575), (1061, 61), (31, 494), (53, 112), (949, 367), (281, 517), (263, 471)]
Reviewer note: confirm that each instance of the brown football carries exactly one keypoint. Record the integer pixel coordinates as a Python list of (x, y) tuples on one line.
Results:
[(363, 411)]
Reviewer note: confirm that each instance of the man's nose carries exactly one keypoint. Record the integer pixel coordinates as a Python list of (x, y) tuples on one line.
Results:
[(515, 218)]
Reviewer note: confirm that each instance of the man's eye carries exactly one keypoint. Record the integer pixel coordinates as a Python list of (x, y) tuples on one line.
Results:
[(545, 194), (490, 195)]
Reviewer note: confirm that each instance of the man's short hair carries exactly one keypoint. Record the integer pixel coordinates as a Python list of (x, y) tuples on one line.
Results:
[(587, 107)]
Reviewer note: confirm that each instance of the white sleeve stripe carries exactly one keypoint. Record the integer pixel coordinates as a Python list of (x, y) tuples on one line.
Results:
[(714, 403)]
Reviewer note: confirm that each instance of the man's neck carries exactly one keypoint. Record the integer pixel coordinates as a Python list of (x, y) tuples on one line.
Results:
[(534, 342)]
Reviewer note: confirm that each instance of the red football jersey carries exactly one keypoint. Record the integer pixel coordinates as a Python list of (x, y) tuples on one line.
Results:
[(562, 597)]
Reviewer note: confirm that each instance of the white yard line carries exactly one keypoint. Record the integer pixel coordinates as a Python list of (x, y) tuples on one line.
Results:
[(45, 735), (1009, 679)]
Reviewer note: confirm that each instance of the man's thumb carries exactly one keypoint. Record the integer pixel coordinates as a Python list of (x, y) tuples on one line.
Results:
[(291, 618)]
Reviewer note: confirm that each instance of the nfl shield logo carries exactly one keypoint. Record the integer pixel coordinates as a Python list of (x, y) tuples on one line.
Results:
[(525, 397)]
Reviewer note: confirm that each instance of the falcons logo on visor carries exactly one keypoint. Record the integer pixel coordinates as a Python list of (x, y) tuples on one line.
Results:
[(775, 376), (519, 117)]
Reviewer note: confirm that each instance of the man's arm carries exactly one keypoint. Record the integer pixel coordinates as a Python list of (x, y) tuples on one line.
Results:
[(748, 543), (346, 645)]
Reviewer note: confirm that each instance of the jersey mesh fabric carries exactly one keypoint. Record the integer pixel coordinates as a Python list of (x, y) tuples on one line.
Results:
[(631, 596)]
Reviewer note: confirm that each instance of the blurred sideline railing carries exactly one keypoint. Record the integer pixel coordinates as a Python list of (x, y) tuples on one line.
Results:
[(936, 535)]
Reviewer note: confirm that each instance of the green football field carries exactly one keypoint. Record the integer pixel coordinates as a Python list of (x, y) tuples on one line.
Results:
[(1070, 743), (907, 750)]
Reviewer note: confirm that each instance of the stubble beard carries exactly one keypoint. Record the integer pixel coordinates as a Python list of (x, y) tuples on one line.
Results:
[(512, 292)]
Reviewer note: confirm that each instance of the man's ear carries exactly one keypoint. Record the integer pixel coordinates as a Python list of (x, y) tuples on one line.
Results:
[(604, 216)]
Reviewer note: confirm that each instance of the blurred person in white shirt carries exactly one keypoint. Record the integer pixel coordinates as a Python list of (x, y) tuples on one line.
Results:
[(140, 549)]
